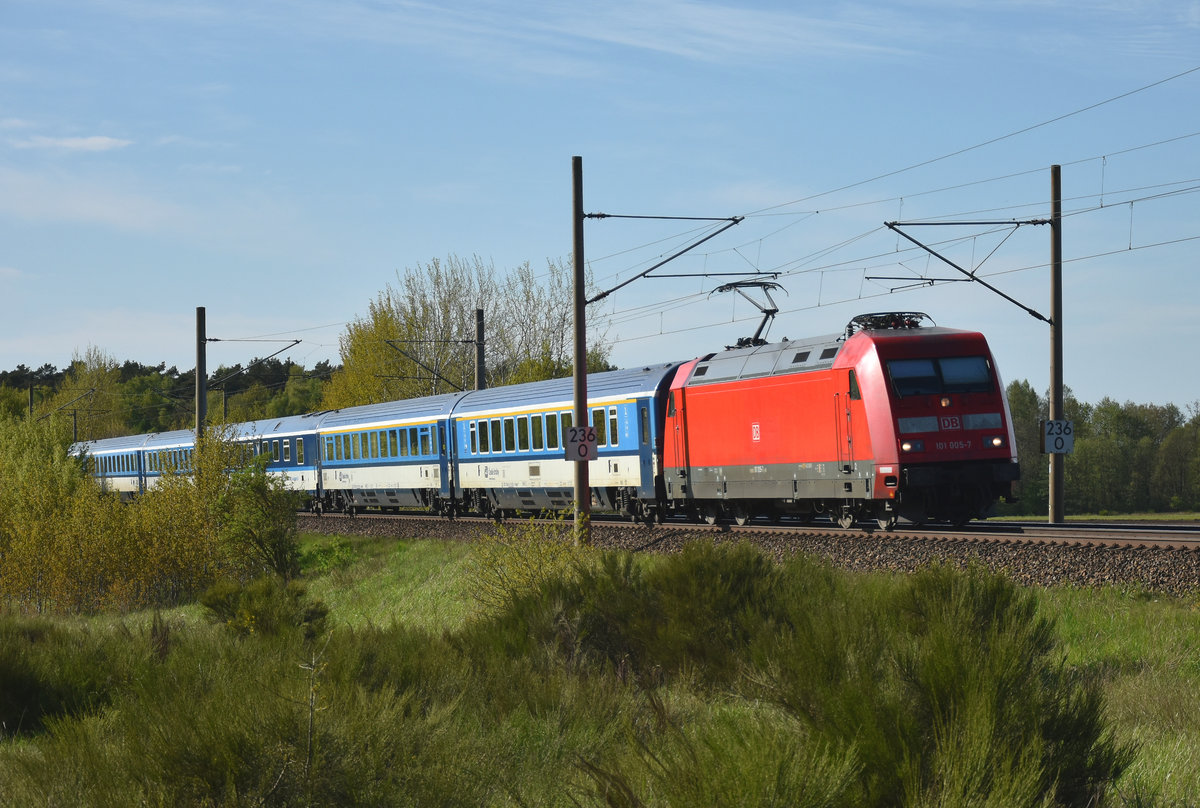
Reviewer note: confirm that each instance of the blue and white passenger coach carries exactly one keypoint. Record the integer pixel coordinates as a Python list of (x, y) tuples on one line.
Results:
[(509, 444), (387, 455), (290, 446)]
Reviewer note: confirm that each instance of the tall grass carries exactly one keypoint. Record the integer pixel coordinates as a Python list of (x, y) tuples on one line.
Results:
[(711, 677)]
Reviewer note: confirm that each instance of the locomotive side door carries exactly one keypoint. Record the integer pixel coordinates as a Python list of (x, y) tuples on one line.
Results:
[(843, 420), (677, 425)]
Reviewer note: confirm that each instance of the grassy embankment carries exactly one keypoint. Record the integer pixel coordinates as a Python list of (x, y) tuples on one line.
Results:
[(444, 675)]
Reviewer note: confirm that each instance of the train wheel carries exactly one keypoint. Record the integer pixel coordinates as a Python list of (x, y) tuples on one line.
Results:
[(711, 514), (886, 521), (741, 516), (847, 520)]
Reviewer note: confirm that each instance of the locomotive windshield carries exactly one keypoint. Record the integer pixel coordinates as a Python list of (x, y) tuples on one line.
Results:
[(947, 374)]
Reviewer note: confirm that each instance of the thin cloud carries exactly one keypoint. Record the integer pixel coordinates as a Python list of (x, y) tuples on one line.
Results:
[(57, 198), (95, 143)]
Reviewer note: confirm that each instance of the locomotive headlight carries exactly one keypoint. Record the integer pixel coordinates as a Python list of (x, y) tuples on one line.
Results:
[(997, 441), (945, 401), (912, 446)]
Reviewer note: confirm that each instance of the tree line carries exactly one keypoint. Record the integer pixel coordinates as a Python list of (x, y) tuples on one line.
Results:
[(1128, 458), (416, 339)]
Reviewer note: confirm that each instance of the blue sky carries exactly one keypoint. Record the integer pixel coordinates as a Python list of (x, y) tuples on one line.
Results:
[(279, 162)]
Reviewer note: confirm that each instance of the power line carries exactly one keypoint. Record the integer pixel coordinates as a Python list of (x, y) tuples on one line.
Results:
[(989, 142)]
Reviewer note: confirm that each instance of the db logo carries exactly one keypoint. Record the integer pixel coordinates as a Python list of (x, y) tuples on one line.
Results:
[(755, 433)]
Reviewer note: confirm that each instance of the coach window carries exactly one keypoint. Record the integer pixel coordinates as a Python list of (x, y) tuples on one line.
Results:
[(644, 424), (344, 452), (426, 445), (287, 450), (566, 419), (394, 440), (552, 430), (612, 427), (479, 429), (523, 433), (497, 439), (299, 451), (510, 436), (536, 425), (374, 437), (601, 427)]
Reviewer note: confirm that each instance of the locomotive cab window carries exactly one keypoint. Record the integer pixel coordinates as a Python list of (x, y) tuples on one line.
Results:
[(965, 374), (955, 374)]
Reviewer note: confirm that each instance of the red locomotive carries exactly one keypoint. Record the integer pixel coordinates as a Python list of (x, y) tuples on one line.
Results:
[(893, 418)]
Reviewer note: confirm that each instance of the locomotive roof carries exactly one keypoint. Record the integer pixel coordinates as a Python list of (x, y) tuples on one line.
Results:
[(815, 353), (790, 356), (608, 385)]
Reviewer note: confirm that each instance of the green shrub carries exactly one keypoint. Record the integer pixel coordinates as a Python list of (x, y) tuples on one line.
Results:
[(734, 760), (518, 559), (695, 612), (267, 606), (951, 690), (49, 671), (258, 526), (336, 554)]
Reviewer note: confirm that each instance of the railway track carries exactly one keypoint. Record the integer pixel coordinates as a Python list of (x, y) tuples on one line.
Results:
[(1150, 559)]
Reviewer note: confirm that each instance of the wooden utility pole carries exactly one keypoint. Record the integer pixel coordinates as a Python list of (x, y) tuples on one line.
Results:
[(583, 493), (480, 368), (1056, 339), (201, 373)]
